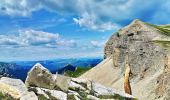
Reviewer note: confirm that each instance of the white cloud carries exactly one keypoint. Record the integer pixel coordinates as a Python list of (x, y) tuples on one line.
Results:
[(19, 7), (94, 14), (5, 40), (32, 37), (36, 38), (67, 43), (89, 22), (98, 44)]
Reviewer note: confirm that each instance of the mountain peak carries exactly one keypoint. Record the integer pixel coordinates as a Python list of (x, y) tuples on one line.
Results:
[(136, 20), (37, 64), (133, 27)]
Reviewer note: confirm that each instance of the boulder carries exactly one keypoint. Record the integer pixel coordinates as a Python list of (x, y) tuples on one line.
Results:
[(40, 92), (16, 83), (91, 97), (79, 80), (12, 92), (84, 82), (40, 77), (76, 87), (73, 97), (62, 82), (104, 92), (14, 87), (29, 96), (55, 94), (70, 92)]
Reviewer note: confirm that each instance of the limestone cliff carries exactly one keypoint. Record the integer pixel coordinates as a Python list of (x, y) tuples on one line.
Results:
[(146, 47)]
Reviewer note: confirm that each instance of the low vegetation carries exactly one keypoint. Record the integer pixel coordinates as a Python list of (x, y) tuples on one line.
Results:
[(5, 97), (78, 72), (164, 44), (165, 29)]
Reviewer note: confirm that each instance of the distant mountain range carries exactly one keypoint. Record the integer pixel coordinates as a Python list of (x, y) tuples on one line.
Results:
[(19, 69)]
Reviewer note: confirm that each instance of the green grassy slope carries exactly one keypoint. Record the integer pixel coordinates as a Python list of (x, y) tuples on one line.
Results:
[(164, 29), (79, 71)]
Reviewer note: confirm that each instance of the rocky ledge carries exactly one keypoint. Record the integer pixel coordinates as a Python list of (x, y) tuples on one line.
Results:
[(41, 84)]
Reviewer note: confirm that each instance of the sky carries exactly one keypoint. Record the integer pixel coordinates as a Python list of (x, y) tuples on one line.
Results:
[(49, 29)]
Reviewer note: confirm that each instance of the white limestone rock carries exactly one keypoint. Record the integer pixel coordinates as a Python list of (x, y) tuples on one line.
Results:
[(62, 82), (13, 87), (91, 97), (41, 77), (100, 90), (29, 96), (58, 95), (75, 86), (39, 91)]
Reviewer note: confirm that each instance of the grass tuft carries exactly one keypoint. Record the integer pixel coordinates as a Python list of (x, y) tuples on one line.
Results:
[(78, 72)]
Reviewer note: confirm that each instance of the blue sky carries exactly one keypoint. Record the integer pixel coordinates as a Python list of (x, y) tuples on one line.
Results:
[(48, 29)]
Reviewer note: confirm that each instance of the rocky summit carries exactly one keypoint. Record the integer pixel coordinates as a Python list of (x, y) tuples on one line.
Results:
[(41, 84), (144, 48)]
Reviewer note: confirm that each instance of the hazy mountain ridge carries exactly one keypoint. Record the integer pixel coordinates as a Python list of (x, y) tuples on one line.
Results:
[(19, 69)]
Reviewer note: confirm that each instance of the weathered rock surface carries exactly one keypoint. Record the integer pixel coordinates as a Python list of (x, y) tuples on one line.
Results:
[(39, 92), (15, 87), (60, 87), (75, 86), (40, 77), (104, 92), (91, 97), (146, 58), (29, 96), (55, 94), (62, 82)]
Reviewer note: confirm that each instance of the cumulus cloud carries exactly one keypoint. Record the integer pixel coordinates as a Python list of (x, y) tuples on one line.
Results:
[(19, 7), (69, 43), (89, 21), (32, 37), (5, 40), (36, 38), (97, 44), (94, 14)]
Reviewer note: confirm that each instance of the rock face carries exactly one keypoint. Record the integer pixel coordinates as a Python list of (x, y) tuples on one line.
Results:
[(146, 59), (16, 89), (104, 92), (41, 77), (29, 96)]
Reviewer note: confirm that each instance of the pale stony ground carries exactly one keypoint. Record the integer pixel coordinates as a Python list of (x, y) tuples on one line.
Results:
[(101, 73), (106, 74)]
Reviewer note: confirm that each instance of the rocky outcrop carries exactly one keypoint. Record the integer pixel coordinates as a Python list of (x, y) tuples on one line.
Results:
[(69, 88), (29, 96), (127, 87), (16, 89), (40, 77), (146, 48), (103, 92)]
